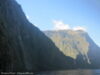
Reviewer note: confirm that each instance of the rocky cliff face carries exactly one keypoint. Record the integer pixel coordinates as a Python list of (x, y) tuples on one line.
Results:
[(78, 45), (23, 47)]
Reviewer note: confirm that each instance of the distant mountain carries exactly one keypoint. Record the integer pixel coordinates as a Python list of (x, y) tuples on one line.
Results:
[(78, 45), (23, 47)]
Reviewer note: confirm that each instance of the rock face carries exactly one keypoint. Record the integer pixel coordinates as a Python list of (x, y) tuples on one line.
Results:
[(78, 45), (23, 47)]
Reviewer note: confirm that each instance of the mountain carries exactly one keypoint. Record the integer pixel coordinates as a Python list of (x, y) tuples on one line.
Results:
[(23, 47), (78, 45)]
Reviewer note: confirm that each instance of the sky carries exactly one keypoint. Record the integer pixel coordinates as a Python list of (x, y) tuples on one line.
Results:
[(64, 14)]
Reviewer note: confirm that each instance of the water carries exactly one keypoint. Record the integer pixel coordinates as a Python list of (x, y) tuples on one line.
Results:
[(71, 72)]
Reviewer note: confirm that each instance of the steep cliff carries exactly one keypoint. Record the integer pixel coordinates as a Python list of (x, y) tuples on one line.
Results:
[(23, 47), (78, 45)]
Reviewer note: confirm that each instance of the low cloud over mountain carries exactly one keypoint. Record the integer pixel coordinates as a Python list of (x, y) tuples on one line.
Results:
[(60, 25)]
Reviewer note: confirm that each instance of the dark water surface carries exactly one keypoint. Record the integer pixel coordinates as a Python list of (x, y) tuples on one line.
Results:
[(71, 72)]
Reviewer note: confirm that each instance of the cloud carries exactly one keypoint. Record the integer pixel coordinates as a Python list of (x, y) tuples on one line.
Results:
[(29, 19), (79, 28), (27, 16), (59, 25)]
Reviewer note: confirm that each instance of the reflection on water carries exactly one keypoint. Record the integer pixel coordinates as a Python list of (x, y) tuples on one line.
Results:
[(71, 72)]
